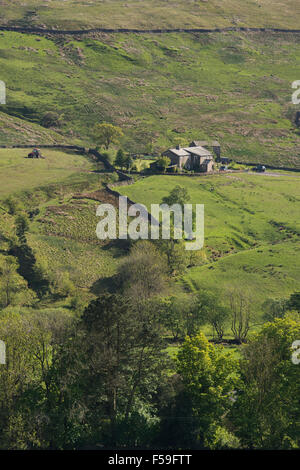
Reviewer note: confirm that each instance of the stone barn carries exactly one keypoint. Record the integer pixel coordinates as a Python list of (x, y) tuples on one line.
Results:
[(195, 158)]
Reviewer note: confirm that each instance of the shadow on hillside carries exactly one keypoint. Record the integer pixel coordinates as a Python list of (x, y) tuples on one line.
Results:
[(120, 247), (107, 284)]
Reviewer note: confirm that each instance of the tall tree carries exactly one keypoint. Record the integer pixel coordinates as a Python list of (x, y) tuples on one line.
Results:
[(120, 158), (124, 359), (241, 314), (212, 311), (176, 315)]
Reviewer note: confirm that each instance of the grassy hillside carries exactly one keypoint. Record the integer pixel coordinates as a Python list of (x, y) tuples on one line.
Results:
[(264, 272), (251, 230), (151, 13), (16, 131), (161, 89), (62, 218), (18, 173)]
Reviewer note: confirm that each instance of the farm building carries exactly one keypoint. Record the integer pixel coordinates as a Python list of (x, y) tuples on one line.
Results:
[(195, 158), (213, 146)]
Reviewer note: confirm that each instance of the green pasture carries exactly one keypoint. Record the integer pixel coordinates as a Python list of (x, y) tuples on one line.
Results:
[(162, 90), (18, 173), (251, 231)]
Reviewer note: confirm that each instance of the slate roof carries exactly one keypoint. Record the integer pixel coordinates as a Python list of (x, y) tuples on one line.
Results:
[(203, 143), (180, 152), (187, 151), (200, 151)]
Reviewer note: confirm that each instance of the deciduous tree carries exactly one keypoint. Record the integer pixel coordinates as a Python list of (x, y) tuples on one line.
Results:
[(266, 413), (144, 271), (208, 376), (106, 134)]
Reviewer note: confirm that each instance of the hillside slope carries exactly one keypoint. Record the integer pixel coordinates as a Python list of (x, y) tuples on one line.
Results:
[(249, 244), (16, 131), (76, 14), (61, 227), (161, 89)]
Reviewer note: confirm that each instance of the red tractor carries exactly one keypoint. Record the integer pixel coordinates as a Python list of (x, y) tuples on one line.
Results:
[(36, 153)]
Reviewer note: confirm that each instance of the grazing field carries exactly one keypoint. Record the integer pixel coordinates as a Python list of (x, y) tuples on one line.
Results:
[(268, 271), (161, 90), (18, 173), (145, 14), (251, 230)]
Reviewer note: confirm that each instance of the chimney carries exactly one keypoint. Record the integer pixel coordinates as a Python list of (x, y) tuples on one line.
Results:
[(178, 147)]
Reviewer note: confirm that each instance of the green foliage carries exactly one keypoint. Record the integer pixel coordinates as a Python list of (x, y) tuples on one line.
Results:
[(266, 412), (176, 255), (13, 205), (209, 375), (124, 357), (61, 284), (128, 162), (221, 438), (143, 274), (249, 246), (27, 393), (180, 316), (29, 269), (171, 67), (22, 226), (13, 288), (120, 158), (294, 302), (106, 134), (212, 311), (139, 430), (77, 303), (274, 308), (162, 163), (178, 195), (51, 119)]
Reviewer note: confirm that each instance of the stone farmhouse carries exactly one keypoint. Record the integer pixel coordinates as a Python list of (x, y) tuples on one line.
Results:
[(198, 156)]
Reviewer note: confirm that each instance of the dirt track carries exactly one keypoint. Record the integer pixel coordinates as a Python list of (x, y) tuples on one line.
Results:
[(267, 173)]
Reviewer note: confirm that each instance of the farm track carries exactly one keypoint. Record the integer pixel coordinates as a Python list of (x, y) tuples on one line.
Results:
[(45, 31), (273, 174)]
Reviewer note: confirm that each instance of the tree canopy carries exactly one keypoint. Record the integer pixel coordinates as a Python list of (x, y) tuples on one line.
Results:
[(106, 134)]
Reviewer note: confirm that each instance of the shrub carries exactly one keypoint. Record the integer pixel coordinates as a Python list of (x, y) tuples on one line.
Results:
[(51, 119)]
